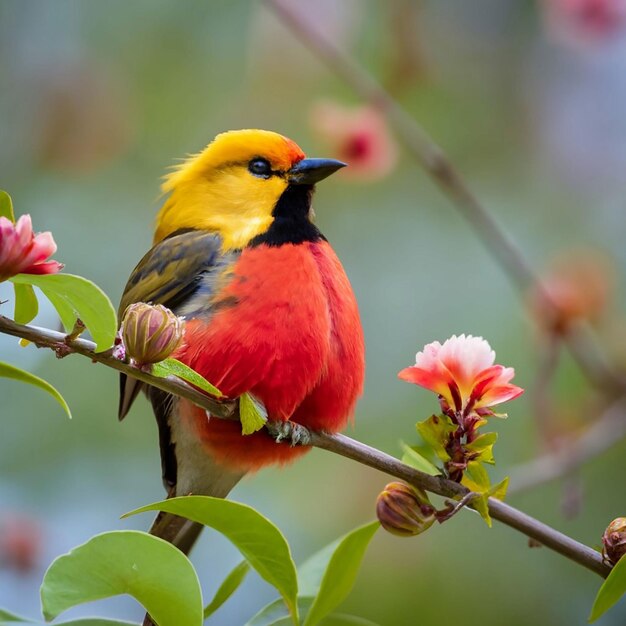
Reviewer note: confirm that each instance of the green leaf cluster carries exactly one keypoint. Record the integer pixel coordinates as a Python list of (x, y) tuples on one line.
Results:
[(436, 431), (73, 297), (164, 581)]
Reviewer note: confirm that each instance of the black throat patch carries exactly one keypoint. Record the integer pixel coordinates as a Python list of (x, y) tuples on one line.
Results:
[(291, 219)]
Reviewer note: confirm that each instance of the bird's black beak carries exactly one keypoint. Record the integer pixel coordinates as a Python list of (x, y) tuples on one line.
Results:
[(311, 171)]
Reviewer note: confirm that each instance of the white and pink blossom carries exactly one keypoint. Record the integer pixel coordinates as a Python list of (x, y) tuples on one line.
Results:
[(462, 372)]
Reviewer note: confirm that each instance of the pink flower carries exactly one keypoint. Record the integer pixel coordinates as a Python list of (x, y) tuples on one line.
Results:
[(357, 135), (584, 21), (22, 252), (579, 284), (463, 373), (21, 543)]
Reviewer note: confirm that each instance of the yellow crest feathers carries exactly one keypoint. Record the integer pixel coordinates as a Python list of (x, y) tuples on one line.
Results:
[(235, 146), (214, 190)]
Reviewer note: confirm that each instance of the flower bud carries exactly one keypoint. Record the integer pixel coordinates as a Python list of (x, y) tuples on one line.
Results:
[(614, 541), (150, 332), (404, 510)]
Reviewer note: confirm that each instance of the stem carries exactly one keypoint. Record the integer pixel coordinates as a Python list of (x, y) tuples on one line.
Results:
[(65, 344), (336, 443), (431, 157), (529, 526)]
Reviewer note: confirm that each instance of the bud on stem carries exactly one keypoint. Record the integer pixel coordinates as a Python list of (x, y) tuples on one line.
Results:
[(614, 541), (150, 333), (404, 510)]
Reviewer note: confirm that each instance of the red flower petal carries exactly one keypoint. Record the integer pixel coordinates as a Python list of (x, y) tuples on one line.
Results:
[(502, 393)]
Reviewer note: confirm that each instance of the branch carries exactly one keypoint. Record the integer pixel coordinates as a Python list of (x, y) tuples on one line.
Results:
[(339, 444), (431, 157), (608, 430), (529, 526), (64, 344)]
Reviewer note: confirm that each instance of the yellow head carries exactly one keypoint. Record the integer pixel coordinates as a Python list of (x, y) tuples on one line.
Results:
[(233, 186)]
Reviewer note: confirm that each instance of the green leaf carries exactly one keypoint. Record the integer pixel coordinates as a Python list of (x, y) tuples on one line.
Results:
[(227, 588), (96, 621), (481, 504), (276, 613), (478, 477), (482, 446), (174, 367), (153, 571), (252, 414), (86, 621), (499, 491), (339, 619), (63, 308), (26, 305), (413, 458), (479, 483), (258, 540), (612, 589), (83, 298), (7, 616), (436, 431), (15, 373), (341, 572), (311, 572), (6, 206)]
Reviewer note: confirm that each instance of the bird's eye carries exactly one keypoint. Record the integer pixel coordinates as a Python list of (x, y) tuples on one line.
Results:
[(260, 167)]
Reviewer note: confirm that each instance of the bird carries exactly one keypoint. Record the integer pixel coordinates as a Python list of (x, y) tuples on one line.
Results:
[(268, 311)]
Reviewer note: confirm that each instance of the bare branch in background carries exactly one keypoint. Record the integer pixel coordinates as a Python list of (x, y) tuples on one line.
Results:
[(608, 430), (429, 155)]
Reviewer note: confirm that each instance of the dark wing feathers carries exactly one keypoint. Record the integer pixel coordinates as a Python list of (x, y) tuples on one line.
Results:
[(171, 273)]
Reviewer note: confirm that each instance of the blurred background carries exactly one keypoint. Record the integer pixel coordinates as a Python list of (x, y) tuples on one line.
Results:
[(98, 99)]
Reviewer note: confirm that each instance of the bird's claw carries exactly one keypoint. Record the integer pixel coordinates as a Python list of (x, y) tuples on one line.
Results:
[(291, 432)]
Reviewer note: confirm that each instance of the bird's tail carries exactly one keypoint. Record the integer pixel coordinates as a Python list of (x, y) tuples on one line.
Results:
[(204, 477), (179, 531)]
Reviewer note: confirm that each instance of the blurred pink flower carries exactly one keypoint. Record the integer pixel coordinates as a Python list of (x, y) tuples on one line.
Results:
[(579, 284), (357, 135), (584, 21), (20, 543), (23, 252), (463, 374)]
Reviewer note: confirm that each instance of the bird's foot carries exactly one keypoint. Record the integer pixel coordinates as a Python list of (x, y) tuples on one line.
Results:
[(295, 434)]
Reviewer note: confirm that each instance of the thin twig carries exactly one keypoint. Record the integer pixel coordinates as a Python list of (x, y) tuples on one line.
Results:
[(46, 338), (605, 432), (432, 158), (339, 444)]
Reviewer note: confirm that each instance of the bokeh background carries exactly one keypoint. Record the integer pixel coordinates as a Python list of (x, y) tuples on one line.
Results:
[(97, 99)]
